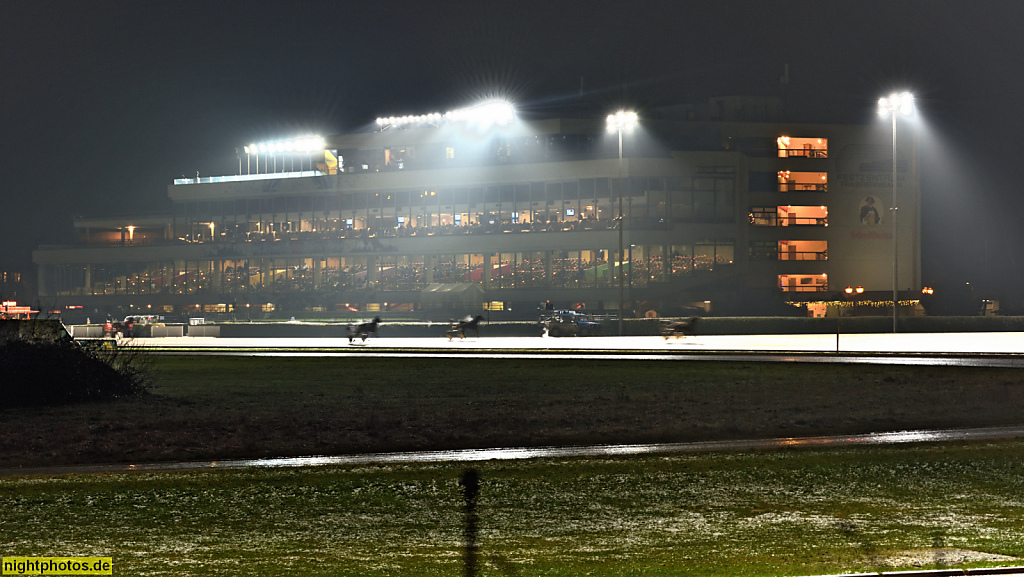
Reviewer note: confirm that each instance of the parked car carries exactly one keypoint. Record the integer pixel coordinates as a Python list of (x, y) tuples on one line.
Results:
[(569, 324)]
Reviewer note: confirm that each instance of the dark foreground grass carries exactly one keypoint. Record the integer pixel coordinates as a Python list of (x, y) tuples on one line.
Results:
[(794, 512), (237, 407)]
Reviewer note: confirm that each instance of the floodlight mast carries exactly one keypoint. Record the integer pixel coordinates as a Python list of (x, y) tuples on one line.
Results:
[(901, 104), (619, 122)]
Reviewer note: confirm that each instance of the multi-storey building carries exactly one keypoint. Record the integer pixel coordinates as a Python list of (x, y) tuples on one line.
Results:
[(725, 207)]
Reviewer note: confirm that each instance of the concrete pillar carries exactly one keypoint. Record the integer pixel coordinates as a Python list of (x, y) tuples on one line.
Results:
[(44, 273), (547, 269), (488, 267), (666, 262), (372, 263), (218, 276)]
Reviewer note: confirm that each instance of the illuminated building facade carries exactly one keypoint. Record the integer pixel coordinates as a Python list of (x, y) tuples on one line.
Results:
[(722, 204)]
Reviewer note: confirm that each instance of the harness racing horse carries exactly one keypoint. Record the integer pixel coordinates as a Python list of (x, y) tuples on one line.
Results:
[(458, 329), (363, 330), (679, 328)]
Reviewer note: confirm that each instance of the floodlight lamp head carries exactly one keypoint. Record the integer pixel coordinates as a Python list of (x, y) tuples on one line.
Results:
[(488, 113), (622, 120), (906, 104), (883, 107), (896, 103)]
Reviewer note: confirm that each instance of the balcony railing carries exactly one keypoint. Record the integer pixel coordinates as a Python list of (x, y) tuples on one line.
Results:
[(783, 221), (803, 186), (806, 288), (245, 177), (241, 236), (804, 152), (803, 255)]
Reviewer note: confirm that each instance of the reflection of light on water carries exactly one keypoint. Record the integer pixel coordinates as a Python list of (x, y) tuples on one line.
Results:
[(909, 437), (520, 453)]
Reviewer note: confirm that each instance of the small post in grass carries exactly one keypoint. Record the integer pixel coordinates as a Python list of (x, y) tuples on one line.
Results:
[(471, 487)]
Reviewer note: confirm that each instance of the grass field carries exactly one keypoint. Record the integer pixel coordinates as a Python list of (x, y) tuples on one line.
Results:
[(793, 512)]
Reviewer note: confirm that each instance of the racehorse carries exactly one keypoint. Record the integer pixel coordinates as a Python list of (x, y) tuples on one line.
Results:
[(363, 330), (458, 329), (679, 328)]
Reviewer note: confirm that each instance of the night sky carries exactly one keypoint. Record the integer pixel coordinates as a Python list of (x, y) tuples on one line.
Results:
[(103, 104)]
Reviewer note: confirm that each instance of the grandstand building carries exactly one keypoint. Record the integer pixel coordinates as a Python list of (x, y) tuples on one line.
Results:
[(723, 207)]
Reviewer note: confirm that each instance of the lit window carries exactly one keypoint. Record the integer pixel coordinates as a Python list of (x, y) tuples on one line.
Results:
[(803, 282), (789, 215), (803, 250), (805, 147), (803, 181)]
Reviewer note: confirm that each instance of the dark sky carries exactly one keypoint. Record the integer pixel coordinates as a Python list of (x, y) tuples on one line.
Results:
[(103, 103)]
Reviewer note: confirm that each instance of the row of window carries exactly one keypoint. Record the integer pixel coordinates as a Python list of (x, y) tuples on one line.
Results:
[(559, 147), (541, 269), (535, 193), (592, 203), (512, 270), (497, 150), (364, 224)]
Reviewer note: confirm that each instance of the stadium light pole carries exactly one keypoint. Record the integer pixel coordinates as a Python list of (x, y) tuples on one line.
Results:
[(619, 122), (895, 105)]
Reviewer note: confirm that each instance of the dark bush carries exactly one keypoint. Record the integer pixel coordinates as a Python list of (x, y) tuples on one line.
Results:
[(39, 372)]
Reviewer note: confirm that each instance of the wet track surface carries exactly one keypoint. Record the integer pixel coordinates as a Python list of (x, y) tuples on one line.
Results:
[(960, 349), (519, 453), (947, 349)]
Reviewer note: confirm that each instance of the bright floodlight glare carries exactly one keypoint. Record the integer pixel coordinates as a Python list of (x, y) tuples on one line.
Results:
[(306, 144), (906, 106), (622, 120), (485, 114), (902, 103), (407, 119)]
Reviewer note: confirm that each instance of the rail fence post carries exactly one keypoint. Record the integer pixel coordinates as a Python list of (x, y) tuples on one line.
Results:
[(471, 488)]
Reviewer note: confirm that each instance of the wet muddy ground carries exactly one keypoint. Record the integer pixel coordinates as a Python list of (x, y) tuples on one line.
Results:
[(237, 408)]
